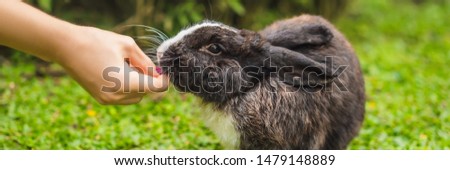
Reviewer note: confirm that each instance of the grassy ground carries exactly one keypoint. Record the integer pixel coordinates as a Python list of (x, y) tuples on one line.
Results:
[(404, 51)]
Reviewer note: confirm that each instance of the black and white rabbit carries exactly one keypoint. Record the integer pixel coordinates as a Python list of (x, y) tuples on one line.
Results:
[(297, 84)]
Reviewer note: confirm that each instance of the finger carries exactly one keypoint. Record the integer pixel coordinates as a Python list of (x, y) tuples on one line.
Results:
[(117, 89), (147, 62), (140, 83), (142, 62), (132, 56), (163, 83)]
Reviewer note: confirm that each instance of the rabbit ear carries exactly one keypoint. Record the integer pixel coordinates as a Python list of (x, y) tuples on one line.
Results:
[(298, 70), (291, 37)]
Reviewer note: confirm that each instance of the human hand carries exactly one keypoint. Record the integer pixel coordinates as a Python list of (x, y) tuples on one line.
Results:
[(96, 59)]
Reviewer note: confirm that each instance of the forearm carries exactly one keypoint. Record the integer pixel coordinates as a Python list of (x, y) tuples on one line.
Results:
[(27, 29), (86, 53)]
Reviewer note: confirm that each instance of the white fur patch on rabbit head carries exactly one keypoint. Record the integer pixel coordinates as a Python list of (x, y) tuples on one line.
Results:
[(166, 44)]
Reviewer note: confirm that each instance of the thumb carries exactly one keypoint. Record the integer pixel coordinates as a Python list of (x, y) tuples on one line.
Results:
[(142, 63)]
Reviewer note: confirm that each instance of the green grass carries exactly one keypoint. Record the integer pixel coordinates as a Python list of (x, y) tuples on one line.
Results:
[(58, 114), (404, 51)]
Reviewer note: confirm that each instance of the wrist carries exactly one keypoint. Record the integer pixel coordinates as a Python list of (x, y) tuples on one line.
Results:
[(66, 41)]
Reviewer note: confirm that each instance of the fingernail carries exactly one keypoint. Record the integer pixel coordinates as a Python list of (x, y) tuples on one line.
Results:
[(159, 70)]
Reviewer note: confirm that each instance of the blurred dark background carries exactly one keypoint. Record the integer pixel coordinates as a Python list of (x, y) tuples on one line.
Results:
[(171, 16)]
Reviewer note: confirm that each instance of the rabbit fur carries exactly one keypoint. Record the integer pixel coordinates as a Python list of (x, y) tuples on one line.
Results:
[(297, 84)]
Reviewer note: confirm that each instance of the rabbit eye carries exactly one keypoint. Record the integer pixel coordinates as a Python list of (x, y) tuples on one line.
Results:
[(214, 48)]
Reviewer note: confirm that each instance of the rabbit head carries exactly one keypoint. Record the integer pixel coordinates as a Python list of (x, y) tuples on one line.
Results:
[(219, 62)]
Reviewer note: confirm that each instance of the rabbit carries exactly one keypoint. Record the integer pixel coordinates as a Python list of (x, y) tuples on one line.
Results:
[(297, 84)]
